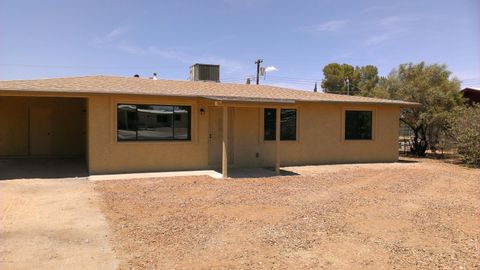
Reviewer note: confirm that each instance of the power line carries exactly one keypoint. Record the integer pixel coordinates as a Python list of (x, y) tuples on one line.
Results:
[(472, 81), (306, 78)]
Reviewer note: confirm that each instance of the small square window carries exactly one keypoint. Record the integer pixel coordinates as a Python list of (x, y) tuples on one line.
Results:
[(358, 125)]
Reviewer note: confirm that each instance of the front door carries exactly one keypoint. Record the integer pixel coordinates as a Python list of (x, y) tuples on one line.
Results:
[(215, 131), (40, 131)]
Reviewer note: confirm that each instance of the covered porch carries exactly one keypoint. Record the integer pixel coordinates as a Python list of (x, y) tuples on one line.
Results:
[(237, 133)]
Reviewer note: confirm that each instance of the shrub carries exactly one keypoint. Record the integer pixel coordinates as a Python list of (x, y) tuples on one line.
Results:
[(464, 130)]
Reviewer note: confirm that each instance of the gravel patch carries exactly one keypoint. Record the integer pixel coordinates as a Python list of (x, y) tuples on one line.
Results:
[(421, 214)]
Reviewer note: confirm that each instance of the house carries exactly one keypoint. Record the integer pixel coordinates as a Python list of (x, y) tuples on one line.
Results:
[(131, 124), (471, 94)]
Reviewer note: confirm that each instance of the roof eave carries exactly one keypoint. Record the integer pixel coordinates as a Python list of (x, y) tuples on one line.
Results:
[(401, 104), (248, 99), (83, 93)]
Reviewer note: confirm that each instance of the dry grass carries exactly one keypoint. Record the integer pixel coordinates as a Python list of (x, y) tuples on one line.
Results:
[(402, 215)]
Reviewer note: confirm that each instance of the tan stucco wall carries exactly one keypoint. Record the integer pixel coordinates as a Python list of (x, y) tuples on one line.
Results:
[(106, 155), (319, 138), (68, 129)]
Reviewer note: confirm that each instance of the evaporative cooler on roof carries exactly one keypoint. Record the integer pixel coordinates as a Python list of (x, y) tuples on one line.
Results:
[(205, 72)]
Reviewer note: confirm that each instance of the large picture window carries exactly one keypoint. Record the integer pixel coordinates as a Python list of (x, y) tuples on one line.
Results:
[(358, 125), (288, 124), (153, 122)]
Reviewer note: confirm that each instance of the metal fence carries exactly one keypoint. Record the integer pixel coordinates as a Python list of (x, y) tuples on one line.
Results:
[(405, 142), (405, 139)]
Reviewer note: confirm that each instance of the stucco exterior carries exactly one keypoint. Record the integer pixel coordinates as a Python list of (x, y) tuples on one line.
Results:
[(106, 155), (320, 133), (319, 137)]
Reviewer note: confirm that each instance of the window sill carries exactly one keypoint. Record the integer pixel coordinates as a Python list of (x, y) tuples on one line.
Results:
[(358, 141), (285, 141), (172, 142)]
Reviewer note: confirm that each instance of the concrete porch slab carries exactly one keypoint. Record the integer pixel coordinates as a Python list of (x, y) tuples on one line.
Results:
[(250, 172), (126, 176), (233, 173)]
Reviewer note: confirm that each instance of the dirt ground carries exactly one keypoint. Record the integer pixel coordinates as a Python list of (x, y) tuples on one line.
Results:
[(52, 224), (415, 214)]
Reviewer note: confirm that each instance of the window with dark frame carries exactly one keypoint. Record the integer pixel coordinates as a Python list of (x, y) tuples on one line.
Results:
[(288, 124), (153, 122), (358, 125), (269, 123)]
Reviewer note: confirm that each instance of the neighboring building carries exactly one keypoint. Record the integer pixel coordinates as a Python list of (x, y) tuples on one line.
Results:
[(122, 124), (471, 94)]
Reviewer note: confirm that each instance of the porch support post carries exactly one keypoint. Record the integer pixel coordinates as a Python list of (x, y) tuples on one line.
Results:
[(225, 142), (277, 141)]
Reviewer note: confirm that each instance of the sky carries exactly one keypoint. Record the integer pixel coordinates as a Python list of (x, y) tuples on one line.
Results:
[(295, 39)]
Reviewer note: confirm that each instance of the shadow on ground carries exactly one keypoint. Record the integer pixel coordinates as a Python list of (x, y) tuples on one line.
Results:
[(33, 168), (254, 172), (402, 160)]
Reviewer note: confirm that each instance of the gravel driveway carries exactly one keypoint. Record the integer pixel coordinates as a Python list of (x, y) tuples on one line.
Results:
[(52, 224), (417, 214)]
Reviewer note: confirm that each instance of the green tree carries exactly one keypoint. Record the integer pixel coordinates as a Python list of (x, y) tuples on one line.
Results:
[(362, 80), (432, 87), (465, 133), (334, 77), (365, 80), (387, 86)]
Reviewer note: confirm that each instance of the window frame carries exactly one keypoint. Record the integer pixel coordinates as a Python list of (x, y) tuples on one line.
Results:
[(297, 124), (264, 110), (189, 139), (373, 127)]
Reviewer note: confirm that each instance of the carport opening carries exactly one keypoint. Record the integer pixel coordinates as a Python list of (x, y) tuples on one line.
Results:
[(43, 132)]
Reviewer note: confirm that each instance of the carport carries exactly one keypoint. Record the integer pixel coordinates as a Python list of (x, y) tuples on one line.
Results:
[(46, 128)]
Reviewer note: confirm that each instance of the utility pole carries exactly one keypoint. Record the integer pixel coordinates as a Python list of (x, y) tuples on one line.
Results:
[(258, 62), (347, 82)]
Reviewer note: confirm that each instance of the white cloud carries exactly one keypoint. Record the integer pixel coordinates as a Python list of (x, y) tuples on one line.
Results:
[(114, 40), (111, 36), (245, 4), (117, 32), (328, 26), (229, 66), (397, 19), (379, 8), (271, 69), (345, 55), (390, 27), (377, 39)]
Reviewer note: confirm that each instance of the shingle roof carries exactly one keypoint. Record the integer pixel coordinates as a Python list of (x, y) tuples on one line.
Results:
[(470, 89), (210, 90)]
